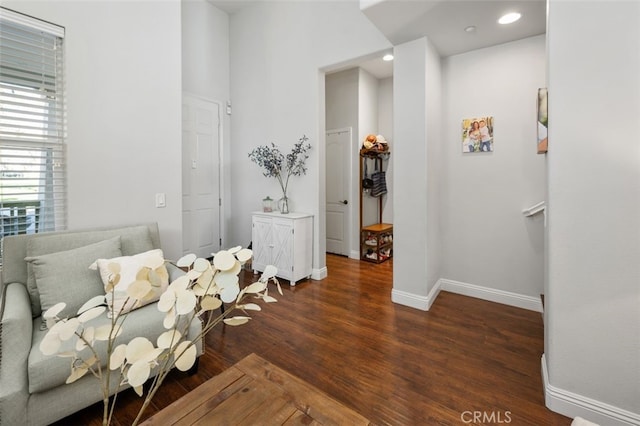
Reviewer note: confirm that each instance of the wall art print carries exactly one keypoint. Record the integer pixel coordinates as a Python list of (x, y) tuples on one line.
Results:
[(477, 134), (543, 121)]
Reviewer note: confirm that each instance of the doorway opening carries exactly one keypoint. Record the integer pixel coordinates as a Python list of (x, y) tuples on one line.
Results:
[(201, 199), (358, 102)]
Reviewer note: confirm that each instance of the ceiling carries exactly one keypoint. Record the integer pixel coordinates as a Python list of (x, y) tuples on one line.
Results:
[(443, 22)]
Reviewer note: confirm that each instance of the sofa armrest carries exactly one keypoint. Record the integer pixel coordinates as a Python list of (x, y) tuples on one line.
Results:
[(16, 330)]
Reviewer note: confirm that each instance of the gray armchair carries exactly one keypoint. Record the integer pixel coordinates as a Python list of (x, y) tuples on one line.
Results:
[(32, 386)]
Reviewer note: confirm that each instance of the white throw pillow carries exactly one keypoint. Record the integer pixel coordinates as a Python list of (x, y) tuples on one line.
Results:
[(148, 267)]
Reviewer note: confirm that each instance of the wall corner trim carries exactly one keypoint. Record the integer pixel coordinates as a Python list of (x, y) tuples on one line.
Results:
[(491, 294), (415, 300), (319, 274), (573, 405)]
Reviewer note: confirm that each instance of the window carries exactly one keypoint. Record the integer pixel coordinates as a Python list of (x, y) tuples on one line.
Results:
[(32, 126)]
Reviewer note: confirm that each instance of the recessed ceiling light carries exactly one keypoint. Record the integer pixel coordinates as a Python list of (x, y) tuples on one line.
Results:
[(470, 29), (509, 18), (387, 57)]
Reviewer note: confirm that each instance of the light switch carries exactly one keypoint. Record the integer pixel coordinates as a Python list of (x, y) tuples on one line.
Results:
[(161, 200)]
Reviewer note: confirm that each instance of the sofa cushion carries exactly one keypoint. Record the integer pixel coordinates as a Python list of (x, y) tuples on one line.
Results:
[(48, 372), (134, 239), (65, 276), (148, 266)]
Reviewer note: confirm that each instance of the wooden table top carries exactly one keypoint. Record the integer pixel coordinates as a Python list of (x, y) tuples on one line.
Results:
[(256, 392)]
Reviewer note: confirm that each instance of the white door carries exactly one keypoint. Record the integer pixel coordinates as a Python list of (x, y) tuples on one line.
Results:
[(338, 189), (200, 176)]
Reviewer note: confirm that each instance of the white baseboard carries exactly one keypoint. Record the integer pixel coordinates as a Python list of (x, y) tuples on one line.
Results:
[(355, 254), (491, 294), (319, 274), (416, 301), (573, 405)]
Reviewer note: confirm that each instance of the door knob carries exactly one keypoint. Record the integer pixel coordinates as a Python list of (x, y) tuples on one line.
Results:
[(345, 202)]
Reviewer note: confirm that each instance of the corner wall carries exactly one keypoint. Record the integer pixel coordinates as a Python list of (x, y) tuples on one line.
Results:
[(367, 124), (592, 324), (385, 128), (416, 79), (487, 241)]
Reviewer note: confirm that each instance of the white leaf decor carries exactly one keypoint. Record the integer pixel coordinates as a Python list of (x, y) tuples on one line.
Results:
[(139, 289), (167, 300), (235, 321), (209, 303), (193, 274), (138, 373), (187, 355), (244, 255), (169, 339), (53, 311), (92, 313), (169, 319), (250, 307), (76, 373), (203, 287), (50, 344), (224, 279), (223, 260), (186, 260), (139, 390), (229, 293), (269, 272), (185, 302), (235, 250), (118, 357), (201, 264), (68, 328), (237, 267), (138, 348), (256, 287)]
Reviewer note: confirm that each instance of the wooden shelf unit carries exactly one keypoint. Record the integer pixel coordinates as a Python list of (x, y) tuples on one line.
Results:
[(376, 241)]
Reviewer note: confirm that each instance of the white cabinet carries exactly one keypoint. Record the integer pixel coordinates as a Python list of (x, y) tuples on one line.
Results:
[(284, 241)]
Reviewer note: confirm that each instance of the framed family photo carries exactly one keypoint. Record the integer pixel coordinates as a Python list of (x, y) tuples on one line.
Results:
[(477, 134), (543, 121)]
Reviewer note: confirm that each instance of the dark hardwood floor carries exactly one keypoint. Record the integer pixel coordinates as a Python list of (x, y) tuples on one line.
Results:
[(464, 359)]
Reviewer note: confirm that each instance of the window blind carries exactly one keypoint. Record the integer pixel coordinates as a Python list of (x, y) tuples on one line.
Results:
[(32, 126)]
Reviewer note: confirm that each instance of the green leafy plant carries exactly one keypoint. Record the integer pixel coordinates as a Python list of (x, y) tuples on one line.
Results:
[(204, 288)]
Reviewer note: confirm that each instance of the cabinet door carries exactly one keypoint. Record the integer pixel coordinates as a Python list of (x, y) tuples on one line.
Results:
[(282, 255), (262, 244)]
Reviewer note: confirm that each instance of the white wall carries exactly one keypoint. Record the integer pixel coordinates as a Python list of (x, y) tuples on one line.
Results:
[(368, 124), (205, 73), (341, 100), (385, 128), (486, 239), (410, 275), (277, 88), (123, 78), (592, 324), (434, 117), (341, 105)]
